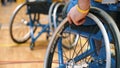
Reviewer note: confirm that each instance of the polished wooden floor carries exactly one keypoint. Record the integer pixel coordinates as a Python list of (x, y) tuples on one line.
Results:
[(22, 57), (14, 55)]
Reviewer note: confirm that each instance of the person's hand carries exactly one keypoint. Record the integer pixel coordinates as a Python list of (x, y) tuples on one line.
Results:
[(74, 16)]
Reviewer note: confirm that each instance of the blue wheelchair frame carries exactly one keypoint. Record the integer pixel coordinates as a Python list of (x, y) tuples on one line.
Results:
[(85, 54), (105, 7), (36, 8), (45, 27)]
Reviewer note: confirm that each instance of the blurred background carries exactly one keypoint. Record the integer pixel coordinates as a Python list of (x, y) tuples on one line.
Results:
[(14, 55)]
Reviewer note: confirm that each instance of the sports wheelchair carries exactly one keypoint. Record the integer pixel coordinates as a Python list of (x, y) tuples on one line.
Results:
[(25, 20), (96, 45)]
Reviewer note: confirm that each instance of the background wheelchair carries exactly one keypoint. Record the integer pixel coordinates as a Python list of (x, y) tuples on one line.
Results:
[(92, 46), (26, 20)]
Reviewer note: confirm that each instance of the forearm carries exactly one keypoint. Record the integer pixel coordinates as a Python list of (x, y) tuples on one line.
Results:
[(84, 4)]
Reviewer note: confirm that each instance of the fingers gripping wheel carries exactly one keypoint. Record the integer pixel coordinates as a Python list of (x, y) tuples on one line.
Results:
[(92, 49)]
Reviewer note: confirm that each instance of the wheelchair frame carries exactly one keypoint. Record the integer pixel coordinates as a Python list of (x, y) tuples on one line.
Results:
[(32, 8), (62, 61)]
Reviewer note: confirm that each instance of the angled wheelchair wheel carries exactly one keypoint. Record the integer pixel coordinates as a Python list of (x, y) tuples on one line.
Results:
[(54, 16), (113, 33), (50, 15), (19, 24), (58, 16), (94, 48)]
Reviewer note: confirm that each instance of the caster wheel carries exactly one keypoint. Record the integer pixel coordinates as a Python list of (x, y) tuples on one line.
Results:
[(32, 45)]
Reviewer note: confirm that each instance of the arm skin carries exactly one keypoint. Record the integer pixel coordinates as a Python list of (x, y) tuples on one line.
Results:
[(76, 17)]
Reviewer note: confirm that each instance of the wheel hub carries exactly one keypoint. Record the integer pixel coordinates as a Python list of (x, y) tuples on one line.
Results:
[(72, 64)]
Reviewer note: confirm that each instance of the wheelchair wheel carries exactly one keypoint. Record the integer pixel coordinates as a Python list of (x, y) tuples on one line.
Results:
[(55, 15), (19, 24), (92, 50), (113, 32), (58, 15), (50, 15)]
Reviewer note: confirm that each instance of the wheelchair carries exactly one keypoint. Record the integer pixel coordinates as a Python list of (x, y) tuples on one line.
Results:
[(91, 46), (25, 20)]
